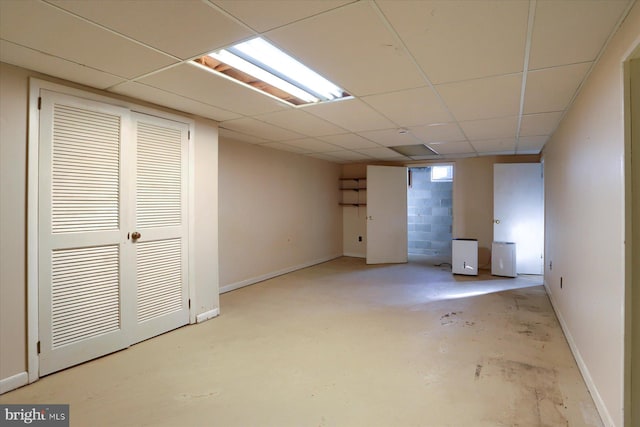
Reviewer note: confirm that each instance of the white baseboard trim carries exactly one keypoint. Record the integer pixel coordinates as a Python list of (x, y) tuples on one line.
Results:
[(13, 382), (203, 317), (354, 255), (584, 370), (254, 280)]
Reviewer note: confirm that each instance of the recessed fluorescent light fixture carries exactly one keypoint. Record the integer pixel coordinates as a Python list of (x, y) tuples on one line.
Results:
[(259, 64)]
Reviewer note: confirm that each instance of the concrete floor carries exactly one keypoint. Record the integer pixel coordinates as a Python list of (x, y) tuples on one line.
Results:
[(343, 344)]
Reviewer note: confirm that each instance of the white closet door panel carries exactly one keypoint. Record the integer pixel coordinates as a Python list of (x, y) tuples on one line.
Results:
[(85, 293), (161, 219), (80, 238), (85, 170), (159, 172), (159, 274)]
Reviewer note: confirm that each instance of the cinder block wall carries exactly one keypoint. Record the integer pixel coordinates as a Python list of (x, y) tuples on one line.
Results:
[(430, 214)]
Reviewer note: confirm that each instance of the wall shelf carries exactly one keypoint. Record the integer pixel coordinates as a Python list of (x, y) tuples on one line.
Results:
[(353, 192)]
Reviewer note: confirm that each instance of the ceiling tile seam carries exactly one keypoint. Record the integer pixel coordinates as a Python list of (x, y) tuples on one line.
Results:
[(491, 76), (394, 91), (622, 18), (124, 79), (151, 73), (302, 109), (552, 67), (338, 148), (359, 133), (256, 118), (288, 23), (396, 125), (508, 116), (424, 75), (110, 30), (525, 67), (111, 89), (232, 18)]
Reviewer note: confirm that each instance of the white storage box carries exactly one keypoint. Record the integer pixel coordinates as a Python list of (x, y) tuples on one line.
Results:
[(464, 256), (503, 259)]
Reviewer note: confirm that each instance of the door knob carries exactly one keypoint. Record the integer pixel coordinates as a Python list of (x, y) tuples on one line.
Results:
[(497, 221), (135, 235)]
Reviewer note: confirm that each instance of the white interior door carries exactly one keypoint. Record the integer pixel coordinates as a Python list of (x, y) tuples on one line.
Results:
[(386, 214), (82, 216), (519, 214), (106, 173), (161, 221)]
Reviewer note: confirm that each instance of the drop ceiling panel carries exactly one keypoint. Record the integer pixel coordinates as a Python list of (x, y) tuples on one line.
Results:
[(390, 137), (180, 28), (438, 132), (351, 114), (382, 153), (413, 107), (349, 155), (60, 34), (28, 58), (531, 144), (259, 129), (311, 145), (171, 100), (506, 145), (567, 32), (197, 83), (462, 147), (459, 40), (269, 14), (349, 140), (351, 47), (238, 136), (551, 89), (503, 127), (483, 98), (328, 157), (302, 122), (539, 124)]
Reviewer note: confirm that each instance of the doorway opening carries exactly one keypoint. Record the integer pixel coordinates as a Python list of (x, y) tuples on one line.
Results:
[(430, 212)]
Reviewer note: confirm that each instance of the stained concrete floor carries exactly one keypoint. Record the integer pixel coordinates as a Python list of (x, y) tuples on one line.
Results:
[(343, 344)]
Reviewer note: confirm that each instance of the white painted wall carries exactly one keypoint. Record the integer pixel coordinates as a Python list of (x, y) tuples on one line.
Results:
[(279, 211), (13, 202), (13, 173), (584, 209)]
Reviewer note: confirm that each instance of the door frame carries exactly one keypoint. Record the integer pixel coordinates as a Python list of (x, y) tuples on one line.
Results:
[(33, 137)]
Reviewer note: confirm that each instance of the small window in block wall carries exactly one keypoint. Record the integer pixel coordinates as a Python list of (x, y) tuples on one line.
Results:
[(442, 173)]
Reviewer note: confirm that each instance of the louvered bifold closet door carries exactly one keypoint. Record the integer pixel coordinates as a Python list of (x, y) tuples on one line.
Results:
[(161, 219), (80, 237)]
